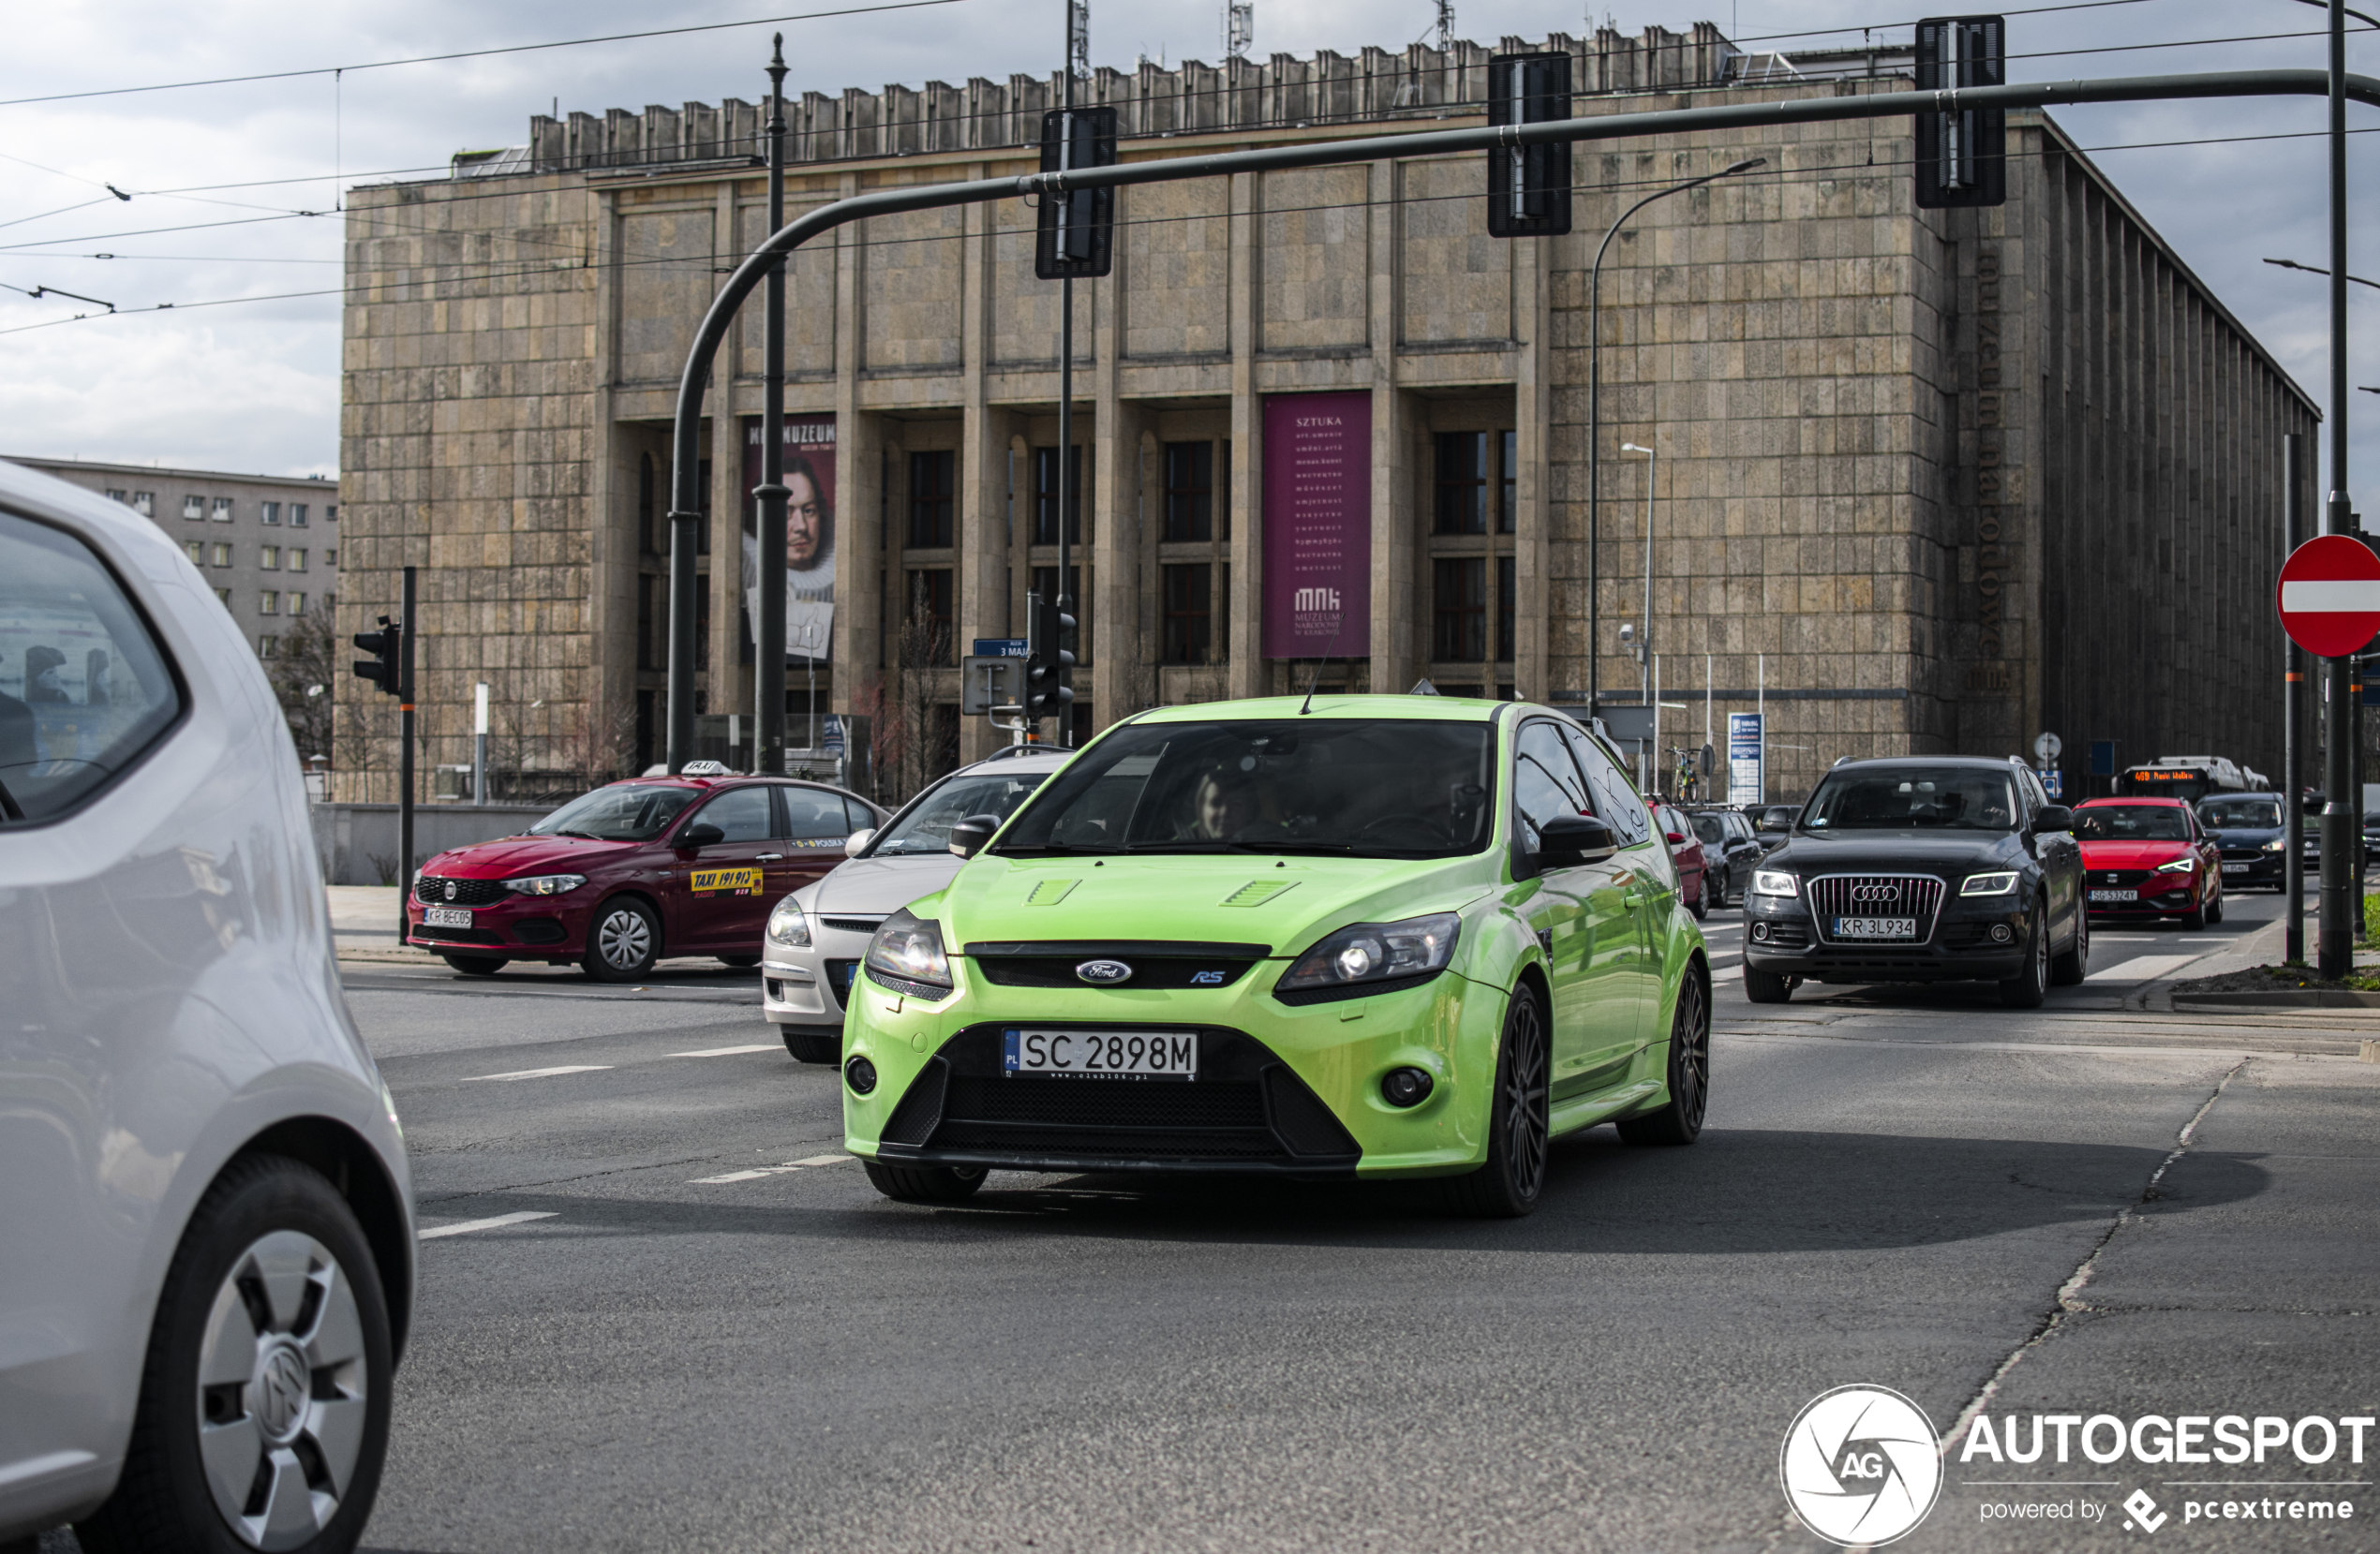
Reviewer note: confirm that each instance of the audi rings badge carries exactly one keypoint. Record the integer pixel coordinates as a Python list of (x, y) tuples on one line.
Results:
[(1875, 893)]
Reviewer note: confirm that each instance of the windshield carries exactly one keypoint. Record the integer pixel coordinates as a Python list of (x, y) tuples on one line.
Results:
[(2132, 822), (623, 812), (1372, 790), (926, 826), (2244, 814), (1710, 828), (1906, 798)]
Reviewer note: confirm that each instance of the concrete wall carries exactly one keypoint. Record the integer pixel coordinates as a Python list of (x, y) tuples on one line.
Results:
[(358, 841)]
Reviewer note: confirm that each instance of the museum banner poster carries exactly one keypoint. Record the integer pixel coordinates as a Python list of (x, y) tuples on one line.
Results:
[(1318, 526), (809, 536)]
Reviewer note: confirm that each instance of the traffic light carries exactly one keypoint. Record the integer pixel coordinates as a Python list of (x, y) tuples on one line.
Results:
[(1075, 234), (1962, 154), (1528, 186), (385, 667), (1049, 663)]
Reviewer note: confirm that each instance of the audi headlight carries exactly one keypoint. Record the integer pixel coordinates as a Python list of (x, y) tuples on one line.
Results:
[(1375, 952), (1775, 881), (788, 927), (544, 884), (1988, 884), (910, 948), (2178, 866)]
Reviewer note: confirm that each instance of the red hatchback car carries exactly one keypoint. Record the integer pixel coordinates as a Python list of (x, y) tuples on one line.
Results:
[(2148, 858), (1686, 851), (618, 878)]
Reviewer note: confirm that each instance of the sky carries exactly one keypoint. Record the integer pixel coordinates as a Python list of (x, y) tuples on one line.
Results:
[(256, 167)]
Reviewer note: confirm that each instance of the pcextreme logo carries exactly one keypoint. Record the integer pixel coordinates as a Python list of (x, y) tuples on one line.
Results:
[(1861, 1465)]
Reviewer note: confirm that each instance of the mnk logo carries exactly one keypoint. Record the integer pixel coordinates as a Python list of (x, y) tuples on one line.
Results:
[(2144, 1512), (1860, 1465), (1316, 599)]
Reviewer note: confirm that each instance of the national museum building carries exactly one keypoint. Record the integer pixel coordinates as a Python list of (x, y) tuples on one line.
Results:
[(1936, 480)]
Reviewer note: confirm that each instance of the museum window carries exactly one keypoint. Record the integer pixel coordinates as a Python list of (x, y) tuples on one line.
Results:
[(647, 541), (1506, 619), (931, 620), (1189, 491), (933, 500), (1045, 495), (1045, 583), (1462, 482), (1507, 508), (1189, 620), (1459, 609), (649, 615)]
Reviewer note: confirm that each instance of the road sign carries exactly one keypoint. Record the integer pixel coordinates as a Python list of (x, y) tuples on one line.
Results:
[(2329, 594), (1000, 648), (1743, 758), (2053, 782), (989, 680), (831, 732), (2046, 749)]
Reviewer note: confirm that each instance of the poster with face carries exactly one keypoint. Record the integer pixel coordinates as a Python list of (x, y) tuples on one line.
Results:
[(809, 536)]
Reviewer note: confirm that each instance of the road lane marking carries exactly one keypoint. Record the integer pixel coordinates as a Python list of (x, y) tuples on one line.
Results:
[(2142, 967), (543, 1073), (753, 1174), (730, 1052), (499, 1222), (823, 1160)]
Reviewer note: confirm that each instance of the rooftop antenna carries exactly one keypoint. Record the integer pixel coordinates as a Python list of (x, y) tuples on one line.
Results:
[(1238, 27), (1446, 26), (1080, 62)]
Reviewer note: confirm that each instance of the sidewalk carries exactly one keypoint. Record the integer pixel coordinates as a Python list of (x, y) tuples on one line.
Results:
[(363, 925)]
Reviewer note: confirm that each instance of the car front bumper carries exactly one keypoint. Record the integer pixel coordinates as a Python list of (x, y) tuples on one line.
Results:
[(1283, 1090), (804, 985), (1780, 937), (520, 927)]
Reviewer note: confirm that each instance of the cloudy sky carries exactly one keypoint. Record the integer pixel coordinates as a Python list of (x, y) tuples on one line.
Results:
[(255, 166)]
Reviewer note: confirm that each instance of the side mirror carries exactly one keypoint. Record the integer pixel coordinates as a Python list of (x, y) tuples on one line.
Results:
[(2054, 816), (973, 835), (1676, 838), (857, 842), (1568, 841), (701, 833)]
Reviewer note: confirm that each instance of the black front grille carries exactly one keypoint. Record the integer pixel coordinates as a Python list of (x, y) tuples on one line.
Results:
[(432, 890), (839, 976), (539, 930), (455, 935), (902, 985), (854, 925), (1147, 971), (2118, 877), (1245, 1106), (1918, 897), (1784, 933)]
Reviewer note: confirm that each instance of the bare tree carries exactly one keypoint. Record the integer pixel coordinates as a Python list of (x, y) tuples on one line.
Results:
[(600, 745), (305, 676), (918, 755)]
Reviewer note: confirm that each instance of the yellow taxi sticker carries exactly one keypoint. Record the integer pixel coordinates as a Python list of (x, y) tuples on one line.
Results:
[(723, 882)]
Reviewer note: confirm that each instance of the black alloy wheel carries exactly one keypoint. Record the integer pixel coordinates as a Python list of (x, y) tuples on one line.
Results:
[(1690, 1072), (623, 940), (1508, 1184), (813, 1046), (1765, 986), (925, 1184), (2069, 969), (474, 966), (2030, 987)]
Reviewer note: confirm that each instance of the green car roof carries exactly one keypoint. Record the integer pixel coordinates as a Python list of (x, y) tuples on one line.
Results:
[(1435, 709)]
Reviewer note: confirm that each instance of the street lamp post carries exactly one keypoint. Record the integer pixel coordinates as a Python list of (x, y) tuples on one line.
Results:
[(1595, 400), (1650, 691)]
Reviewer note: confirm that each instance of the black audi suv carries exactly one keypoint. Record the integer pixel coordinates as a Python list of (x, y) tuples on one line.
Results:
[(1933, 868)]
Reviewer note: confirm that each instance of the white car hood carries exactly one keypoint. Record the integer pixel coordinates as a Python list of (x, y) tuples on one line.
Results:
[(877, 887)]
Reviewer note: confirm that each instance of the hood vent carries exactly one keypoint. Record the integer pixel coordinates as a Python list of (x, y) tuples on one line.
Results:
[(1048, 892), (1256, 892)]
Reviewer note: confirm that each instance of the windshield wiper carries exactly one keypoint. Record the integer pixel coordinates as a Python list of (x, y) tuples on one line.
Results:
[(588, 835), (1056, 849)]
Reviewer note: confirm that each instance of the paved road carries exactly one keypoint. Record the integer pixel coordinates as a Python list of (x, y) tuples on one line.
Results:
[(660, 1311)]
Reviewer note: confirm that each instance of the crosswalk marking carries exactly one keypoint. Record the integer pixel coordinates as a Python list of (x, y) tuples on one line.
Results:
[(543, 1073), (730, 1052), (753, 1174), (499, 1222), (2140, 969)]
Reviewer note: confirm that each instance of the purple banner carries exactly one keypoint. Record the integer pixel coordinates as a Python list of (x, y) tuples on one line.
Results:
[(1318, 526)]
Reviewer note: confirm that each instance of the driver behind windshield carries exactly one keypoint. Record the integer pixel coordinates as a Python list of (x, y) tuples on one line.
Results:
[(1222, 805)]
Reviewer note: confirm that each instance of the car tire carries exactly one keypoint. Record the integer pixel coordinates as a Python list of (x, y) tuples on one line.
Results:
[(813, 1046), (1701, 904), (2070, 969), (2028, 988), (623, 940), (2215, 907), (1689, 1073), (1765, 986), (740, 963), (1509, 1183), (925, 1184), (476, 966), (299, 1446)]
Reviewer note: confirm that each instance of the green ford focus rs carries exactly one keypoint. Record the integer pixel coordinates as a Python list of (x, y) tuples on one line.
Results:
[(1370, 936)]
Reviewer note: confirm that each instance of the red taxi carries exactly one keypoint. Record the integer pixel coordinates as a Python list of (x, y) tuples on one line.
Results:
[(618, 878), (2148, 858)]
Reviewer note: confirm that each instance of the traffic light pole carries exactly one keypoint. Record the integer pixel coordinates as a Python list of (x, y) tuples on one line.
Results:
[(2292, 752), (404, 752), (2342, 811), (768, 626), (1065, 733)]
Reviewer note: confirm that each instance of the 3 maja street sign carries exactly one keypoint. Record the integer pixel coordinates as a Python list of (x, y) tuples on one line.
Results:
[(2329, 594)]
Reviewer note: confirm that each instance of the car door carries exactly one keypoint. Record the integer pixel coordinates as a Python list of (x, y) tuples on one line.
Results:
[(720, 889), (1641, 870), (1579, 915), (812, 825), (2060, 857)]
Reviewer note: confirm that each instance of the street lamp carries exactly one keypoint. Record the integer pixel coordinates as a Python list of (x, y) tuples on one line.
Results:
[(1595, 397), (1646, 675)]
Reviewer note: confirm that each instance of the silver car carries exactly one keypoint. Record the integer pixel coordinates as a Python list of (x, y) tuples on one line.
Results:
[(206, 1222), (817, 933)]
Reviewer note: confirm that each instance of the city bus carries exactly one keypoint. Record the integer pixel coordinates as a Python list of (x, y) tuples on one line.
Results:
[(2188, 777)]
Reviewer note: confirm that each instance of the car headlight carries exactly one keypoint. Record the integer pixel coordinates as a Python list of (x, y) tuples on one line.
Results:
[(1375, 952), (544, 884), (2279, 844), (2178, 866), (1988, 884), (788, 927), (1775, 881), (908, 947)]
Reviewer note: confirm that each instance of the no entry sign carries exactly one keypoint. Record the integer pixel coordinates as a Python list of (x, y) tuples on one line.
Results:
[(2329, 596)]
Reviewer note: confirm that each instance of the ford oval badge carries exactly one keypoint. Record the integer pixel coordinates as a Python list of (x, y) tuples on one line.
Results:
[(1105, 973)]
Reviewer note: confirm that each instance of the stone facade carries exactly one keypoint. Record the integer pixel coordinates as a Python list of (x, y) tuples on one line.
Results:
[(1938, 479)]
